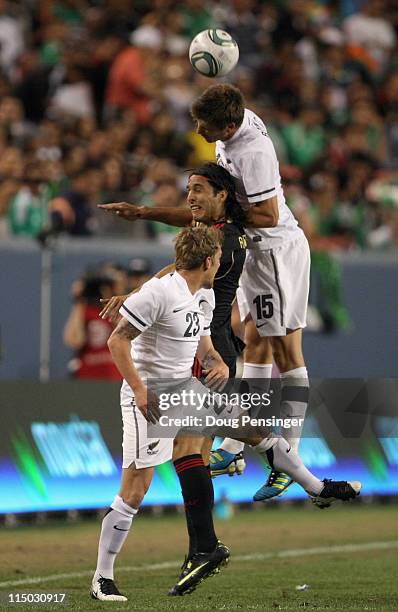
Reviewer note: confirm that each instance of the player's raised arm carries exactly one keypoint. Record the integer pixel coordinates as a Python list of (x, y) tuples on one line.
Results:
[(119, 344), (175, 215)]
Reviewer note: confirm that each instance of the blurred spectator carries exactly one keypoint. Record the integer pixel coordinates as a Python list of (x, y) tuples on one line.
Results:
[(27, 208), (12, 41), (138, 272), (85, 332), (71, 212), (242, 23), (130, 84), (339, 224), (305, 137), (370, 36), (165, 194)]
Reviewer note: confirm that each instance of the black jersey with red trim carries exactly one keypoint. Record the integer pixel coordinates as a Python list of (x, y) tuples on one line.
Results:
[(225, 285), (227, 278)]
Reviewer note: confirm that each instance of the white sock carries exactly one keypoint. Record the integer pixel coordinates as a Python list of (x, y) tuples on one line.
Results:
[(232, 446), (250, 370), (294, 402), (283, 458), (257, 370), (115, 529)]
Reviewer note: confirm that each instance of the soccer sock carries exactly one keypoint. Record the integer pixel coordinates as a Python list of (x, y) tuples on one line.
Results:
[(198, 494), (115, 529), (250, 370), (232, 446), (294, 402), (283, 458), (193, 546), (257, 370)]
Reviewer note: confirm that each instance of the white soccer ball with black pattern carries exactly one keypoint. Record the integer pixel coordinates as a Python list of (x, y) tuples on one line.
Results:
[(213, 53)]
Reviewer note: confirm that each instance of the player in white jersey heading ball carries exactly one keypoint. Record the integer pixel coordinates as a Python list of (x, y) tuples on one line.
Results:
[(274, 285)]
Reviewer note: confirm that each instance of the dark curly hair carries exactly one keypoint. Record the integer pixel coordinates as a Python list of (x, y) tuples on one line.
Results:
[(221, 180)]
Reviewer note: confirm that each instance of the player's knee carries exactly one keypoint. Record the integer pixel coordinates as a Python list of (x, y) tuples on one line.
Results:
[(191, 445), (258, 352), (206, 450), (134, 497), (135, 488), (286, 357)]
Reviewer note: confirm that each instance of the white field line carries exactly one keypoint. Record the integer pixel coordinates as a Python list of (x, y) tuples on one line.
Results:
[(282, 554)]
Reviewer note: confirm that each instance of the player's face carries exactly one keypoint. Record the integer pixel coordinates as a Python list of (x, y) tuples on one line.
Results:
[(206, 205), (212, 133), (214, 264)]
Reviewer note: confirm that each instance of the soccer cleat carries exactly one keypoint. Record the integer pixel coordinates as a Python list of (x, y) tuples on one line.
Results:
[(105, 589), (223, 462), (185, 567), (187, 564), (335, 490), (277, 483), (200, 567)]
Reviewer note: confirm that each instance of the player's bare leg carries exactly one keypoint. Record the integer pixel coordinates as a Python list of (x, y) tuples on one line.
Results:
[(288, 356), (116, 525), (228, 458)]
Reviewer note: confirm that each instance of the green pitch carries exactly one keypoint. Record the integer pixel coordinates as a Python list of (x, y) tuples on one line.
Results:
[(347, 555)]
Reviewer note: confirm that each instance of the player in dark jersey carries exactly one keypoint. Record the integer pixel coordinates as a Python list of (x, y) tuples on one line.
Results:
[(204, 183), (211, 201)]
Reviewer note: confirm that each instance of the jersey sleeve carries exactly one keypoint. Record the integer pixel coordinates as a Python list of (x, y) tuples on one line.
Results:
[(259, 176), (145, 307)]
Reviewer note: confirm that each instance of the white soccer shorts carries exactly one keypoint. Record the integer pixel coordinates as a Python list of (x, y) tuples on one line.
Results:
[(137, 447), (274, 287), (197, 403)]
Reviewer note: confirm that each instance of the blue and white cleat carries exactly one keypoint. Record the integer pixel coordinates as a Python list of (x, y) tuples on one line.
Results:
[(277, 483), (223, 462)]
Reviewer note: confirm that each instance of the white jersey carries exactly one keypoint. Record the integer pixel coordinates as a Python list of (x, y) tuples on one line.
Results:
[(171, 320), (249, 156)]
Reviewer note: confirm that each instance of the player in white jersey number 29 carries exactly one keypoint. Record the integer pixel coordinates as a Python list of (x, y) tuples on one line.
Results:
[(163, 327), (274, 284)]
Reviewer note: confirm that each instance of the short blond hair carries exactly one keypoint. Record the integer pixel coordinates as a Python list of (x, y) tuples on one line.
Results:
[(193, 245)]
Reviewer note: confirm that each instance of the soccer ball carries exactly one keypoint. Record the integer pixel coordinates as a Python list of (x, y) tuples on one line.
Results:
[(213, 53)]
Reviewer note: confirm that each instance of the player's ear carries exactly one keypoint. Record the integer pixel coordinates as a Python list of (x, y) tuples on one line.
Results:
[(207, 263), (223, 195), (230, 129)]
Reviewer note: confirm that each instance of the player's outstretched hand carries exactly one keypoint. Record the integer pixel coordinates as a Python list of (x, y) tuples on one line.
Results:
[(148, 402), (131, 212), (217, 376), (111, 307)]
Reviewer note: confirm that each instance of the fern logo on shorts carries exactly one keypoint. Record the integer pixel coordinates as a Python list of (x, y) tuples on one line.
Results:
[(152, 448)]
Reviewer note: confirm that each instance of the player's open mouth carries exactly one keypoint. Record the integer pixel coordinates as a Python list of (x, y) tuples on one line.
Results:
[(195, 208)]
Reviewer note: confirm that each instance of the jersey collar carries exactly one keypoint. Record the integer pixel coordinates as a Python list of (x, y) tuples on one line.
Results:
[(182, 283)]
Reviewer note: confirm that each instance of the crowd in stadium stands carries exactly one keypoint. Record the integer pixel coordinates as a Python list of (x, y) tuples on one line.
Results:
[(95, 98)]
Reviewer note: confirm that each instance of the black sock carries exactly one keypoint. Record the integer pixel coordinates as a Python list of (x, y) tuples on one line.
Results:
[(193, 543), (198, 494), (208, 468)]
